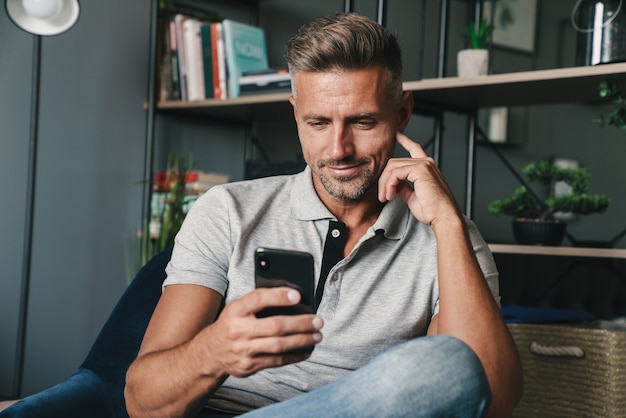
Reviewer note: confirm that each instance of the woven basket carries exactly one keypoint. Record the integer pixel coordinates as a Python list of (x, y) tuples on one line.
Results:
[(572, 370)]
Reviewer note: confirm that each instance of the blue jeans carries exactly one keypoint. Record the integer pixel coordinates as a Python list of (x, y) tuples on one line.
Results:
[(436, 376)]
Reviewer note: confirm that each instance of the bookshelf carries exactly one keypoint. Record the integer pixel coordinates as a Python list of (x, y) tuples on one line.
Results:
[(575, 84), (465, 95), (240, 109), (562, 85), (557, 251)]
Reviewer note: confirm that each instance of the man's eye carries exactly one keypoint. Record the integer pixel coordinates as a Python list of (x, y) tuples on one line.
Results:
[(365, 123), (317, 124)]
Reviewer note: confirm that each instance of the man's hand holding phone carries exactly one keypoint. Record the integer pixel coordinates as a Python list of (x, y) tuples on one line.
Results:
[(243, 344), (271, 326)]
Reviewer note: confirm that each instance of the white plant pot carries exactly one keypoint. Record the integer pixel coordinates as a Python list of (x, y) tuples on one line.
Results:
[(472, 62)]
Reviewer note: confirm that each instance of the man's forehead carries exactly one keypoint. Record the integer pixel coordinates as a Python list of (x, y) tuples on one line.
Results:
[(333, 85), (338, 72)]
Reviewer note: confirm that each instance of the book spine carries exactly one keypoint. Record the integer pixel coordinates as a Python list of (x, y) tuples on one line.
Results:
[(168, 87), (273, 87), (182, 68), (207, 60), (194, 65), (216, 77), (230, 59), (267, 81), (174, 66), (221, 62), (197, 42)]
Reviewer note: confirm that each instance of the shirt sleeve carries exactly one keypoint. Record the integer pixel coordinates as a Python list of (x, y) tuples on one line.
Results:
[(201, 251), (485, 260)]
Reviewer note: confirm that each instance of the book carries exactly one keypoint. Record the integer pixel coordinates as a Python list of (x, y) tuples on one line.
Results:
[(193, 59), (167, 74), (216, 77), (198, 182), (246, 51), (207, 60), (268, 81), (219, 63), (179, 19), (180, 55)]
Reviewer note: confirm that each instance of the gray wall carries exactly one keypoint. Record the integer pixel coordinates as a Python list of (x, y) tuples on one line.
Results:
[(15, 86), (87, 201)]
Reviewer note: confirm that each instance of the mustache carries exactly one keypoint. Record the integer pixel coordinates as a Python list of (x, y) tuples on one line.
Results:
[(343, 161)]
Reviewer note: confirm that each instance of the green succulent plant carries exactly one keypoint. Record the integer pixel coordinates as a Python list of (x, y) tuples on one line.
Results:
[(478, 36), (524, 204)]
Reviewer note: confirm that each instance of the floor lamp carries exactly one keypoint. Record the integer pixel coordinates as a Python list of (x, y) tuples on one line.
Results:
[(39, 18)]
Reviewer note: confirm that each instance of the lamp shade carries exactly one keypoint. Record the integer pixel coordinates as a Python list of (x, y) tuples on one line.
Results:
[(24, 13)]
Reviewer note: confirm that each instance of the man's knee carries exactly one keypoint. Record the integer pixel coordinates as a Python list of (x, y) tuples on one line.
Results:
[(441, 372)]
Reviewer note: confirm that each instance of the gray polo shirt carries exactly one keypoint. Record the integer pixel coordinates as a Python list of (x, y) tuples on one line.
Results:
[(383, 293)]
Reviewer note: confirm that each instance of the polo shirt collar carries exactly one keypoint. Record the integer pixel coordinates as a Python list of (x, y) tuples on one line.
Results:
[(393, 219), (307, 206), (305, 203)]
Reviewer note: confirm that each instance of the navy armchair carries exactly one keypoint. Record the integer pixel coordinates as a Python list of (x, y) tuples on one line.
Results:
[(96, 389)]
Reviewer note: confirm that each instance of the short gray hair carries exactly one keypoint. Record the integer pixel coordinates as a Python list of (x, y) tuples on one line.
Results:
[(345, 42)]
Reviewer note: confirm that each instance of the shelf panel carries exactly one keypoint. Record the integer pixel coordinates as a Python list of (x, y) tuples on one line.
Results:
[(239, 101), (239, 109), (574, 84), (562, 85), (559, 251)]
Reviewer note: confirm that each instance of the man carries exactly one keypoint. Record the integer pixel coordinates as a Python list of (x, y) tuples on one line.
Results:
[(401, 262)]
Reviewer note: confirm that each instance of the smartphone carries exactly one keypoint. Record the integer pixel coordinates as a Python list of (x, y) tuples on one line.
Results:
[(276, 267)]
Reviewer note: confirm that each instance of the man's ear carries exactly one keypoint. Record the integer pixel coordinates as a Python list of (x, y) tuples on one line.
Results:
[(406, 110), (293, 104)]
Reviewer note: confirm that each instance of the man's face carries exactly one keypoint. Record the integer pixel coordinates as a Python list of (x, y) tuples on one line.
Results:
[(347, 124)]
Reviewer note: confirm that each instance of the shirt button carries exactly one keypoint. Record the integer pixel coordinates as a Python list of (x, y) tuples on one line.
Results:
[(334, 277), (335, 233)]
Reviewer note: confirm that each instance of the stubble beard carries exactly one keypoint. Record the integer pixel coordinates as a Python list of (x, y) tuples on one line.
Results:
[(346, 187)]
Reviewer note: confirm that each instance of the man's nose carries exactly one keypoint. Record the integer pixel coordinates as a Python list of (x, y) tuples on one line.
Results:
[(341, 144)]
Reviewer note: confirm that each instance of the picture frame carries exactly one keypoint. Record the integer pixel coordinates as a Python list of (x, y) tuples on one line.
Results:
[(515, 23)]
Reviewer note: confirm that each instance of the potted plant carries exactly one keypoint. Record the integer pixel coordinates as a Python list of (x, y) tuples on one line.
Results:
[(169, 205), (537, 216), (617, 116), (473, 60)]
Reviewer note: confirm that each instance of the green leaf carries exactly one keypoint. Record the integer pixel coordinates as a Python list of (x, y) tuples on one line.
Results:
[(478, 36), (524, 204)]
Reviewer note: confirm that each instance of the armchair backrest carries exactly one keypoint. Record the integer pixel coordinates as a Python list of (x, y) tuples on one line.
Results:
[(118, 342)]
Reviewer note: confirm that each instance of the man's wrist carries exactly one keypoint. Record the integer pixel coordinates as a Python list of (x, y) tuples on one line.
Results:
[(453, 224)]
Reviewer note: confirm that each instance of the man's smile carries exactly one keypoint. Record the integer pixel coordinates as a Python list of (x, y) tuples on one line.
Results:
[(343, 170)]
